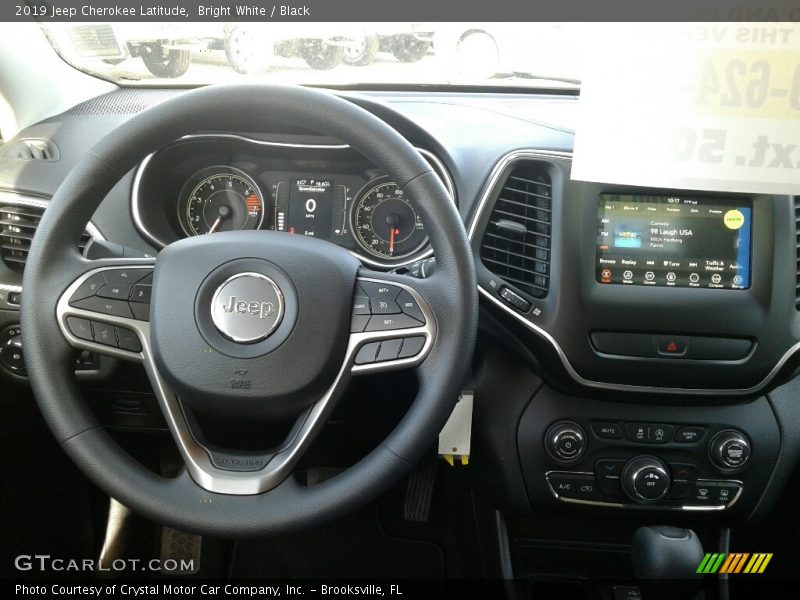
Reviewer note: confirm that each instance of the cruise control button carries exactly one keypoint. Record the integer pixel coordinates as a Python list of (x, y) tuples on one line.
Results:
[(409, 306), (411, 347), (358, 323), (141, 311), (381, 306), (379, 290), (141, 292), (104, 334), (361, 305), (128, 340), (389, 323), (106, 306), (88, 288), (80, 328), (115, 291), (389, 350), (367, 353)]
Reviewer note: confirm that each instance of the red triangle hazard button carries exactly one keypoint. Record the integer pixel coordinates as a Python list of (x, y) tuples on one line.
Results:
[(672, 345)]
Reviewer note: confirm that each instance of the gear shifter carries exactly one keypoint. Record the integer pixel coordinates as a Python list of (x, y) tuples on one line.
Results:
[(665, 561)]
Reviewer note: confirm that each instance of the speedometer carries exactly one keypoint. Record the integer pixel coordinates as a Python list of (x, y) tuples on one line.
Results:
[(220, 199), (385, 223)]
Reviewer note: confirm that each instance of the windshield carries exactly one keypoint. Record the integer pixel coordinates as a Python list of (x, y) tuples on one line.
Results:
[(339, 54)]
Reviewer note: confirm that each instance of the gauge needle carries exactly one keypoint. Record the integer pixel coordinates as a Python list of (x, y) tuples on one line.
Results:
[(393, 231), (216, 224), (223, 212)]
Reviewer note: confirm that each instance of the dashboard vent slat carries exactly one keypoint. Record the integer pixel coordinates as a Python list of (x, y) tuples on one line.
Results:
[(516, 243), (18, 224), (797, 243)]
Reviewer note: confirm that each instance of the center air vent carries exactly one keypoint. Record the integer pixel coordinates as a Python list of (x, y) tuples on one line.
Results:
[(17, 225), (516, 243), (797, 244)]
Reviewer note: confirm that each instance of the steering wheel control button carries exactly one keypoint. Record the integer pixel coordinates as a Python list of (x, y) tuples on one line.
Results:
[(247, 307), (104, 334), (361, 305), (358, 323), (367, 353), (119, 277), (389, 323), (379, 291), (645, 479), (409, 306), (689, 434), (105, 306), (381, 306), (565, 441), (389, 350), (80, 328), (128, 340), (115, 291), (674, 346), (729, 450), (411, 346), (141, 292), (88, 288), (608, 431)]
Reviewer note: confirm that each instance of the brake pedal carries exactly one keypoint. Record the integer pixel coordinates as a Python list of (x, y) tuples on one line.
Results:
[(419, 490), (180, 552)]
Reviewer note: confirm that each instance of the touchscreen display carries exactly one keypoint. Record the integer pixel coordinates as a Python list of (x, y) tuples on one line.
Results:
[(672, 241)]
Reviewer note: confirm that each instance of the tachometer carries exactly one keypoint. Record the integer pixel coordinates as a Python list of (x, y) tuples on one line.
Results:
[(220, 199), (385, 223)]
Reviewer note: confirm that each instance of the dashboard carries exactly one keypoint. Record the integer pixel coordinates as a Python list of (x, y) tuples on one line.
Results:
[(615, 320), (222, 182)]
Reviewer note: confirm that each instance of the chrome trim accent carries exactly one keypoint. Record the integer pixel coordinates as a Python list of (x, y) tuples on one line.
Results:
[(492, 182), (436, 163), (221, 326), (195, 455), (636, 474), (16, 199), (685, 507)]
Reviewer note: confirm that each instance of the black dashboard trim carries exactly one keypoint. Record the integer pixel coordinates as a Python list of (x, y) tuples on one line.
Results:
[(491, 184), (435, 161)]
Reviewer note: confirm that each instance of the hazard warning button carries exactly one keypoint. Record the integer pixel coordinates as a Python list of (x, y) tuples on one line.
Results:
[(675, 346)]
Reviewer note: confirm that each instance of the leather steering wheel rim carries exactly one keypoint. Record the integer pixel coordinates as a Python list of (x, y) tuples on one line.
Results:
[(54, 262)]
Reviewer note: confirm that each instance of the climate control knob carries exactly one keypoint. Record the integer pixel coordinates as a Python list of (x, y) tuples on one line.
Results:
[(645, 479), (565, 441), (729, 449)]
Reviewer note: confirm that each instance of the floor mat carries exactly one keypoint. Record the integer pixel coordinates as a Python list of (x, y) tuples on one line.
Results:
[(355, 547)]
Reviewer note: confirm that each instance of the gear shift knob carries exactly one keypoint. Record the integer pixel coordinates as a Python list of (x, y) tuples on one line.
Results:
[(665, 561)]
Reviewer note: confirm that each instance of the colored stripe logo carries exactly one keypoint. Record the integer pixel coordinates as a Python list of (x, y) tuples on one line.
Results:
[(734, 562)]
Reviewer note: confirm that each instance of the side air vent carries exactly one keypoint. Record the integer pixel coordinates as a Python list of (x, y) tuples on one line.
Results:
[(797, 244), (33, 149), (516, 243), (17, 226)]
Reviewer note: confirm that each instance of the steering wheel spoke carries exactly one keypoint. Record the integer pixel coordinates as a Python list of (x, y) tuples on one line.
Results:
[(392, 326), (107, 308)]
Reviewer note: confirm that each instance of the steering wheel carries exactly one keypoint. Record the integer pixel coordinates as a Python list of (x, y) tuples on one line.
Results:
[(252, 326)]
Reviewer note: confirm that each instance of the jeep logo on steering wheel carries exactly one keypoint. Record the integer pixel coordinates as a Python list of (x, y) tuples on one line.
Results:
[(247, 307)]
